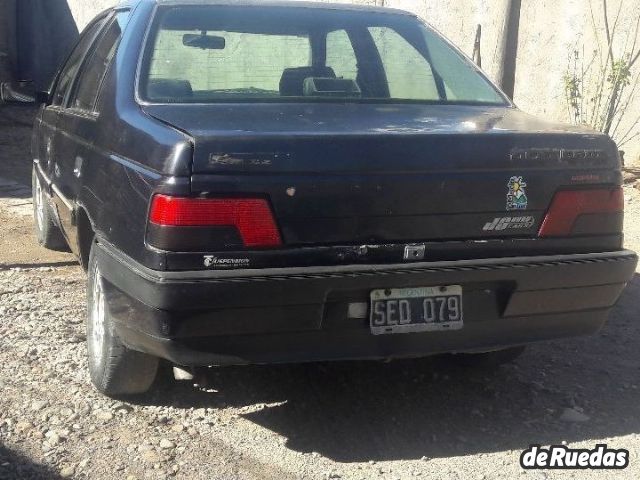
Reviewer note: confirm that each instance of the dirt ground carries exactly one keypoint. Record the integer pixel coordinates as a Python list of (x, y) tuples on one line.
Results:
[(19, 248), (409, 419), (17, 243)]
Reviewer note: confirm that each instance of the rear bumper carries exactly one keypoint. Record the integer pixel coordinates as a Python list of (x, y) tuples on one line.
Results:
[(301, 314)]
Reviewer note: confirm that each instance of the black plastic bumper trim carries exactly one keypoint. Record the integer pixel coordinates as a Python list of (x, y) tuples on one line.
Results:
[(185, 291), (300, 314)]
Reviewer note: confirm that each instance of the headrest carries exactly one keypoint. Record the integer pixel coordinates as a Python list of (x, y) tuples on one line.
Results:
[(292, 81), (168, 89)]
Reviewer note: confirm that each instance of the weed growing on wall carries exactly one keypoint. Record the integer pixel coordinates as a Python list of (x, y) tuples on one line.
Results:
[(601, 83)]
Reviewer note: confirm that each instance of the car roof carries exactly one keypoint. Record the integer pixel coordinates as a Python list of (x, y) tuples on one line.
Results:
[(275, 3)]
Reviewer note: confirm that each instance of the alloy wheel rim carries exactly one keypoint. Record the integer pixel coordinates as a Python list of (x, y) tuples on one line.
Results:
[(97, 317), (39, 204)]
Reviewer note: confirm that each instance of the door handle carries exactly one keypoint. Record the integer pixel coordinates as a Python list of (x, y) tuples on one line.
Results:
[(77, 169)]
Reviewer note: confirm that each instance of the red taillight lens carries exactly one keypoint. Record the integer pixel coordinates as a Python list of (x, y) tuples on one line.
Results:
[(251, 216), (567, 206)]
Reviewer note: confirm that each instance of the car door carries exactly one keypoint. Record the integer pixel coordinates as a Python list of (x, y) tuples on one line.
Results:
[(62, 143), (87, 150), (49, 118)]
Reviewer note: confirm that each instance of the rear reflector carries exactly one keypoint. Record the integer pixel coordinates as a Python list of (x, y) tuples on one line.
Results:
[(252, 217), (568, 206)]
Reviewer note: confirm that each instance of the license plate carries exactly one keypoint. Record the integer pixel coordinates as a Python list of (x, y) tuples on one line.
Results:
[(411, 310)]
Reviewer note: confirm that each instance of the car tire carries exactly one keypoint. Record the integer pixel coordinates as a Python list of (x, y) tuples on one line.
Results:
[(489, 359), (115, 370), (48, 233)]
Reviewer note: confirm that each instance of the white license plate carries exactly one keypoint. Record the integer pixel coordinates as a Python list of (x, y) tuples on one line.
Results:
[(411, 310)]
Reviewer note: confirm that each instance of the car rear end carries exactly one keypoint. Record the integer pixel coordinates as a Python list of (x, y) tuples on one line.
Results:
[(344, 206)]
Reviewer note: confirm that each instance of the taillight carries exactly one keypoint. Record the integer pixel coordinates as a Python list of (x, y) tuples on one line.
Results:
[(568, 206), (210, 220)]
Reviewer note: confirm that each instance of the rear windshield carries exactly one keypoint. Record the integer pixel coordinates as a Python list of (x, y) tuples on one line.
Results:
[(210, 54)]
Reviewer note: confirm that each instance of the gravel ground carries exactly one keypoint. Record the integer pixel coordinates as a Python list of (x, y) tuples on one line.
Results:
[(415, 419), (401, 420)]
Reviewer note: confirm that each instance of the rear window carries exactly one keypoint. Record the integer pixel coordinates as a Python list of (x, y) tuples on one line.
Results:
[(250, 63), (209, 54)]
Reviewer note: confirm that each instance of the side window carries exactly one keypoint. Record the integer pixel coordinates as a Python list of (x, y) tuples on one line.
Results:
[(408, 72), (70, 70), (88, 85), (341, 55)]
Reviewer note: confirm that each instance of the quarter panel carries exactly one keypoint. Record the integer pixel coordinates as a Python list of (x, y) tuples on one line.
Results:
[(125, 155)]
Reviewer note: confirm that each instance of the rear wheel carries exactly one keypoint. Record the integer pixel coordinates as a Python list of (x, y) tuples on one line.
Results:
[(489, 359), (115, 369), (48, 233)]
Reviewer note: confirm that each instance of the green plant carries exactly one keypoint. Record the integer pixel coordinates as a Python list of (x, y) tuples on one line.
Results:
[(600, 85)]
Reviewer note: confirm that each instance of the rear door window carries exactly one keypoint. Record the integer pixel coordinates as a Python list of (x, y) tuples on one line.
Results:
[(70, 70), (90, 80)]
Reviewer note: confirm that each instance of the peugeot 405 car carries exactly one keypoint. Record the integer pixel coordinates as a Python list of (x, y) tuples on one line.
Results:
[(252, 182)]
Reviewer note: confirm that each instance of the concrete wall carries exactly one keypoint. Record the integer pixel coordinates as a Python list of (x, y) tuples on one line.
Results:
[(84, 10), (550, 31)]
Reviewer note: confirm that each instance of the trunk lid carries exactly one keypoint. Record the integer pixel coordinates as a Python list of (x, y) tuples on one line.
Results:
[(371, 174)]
